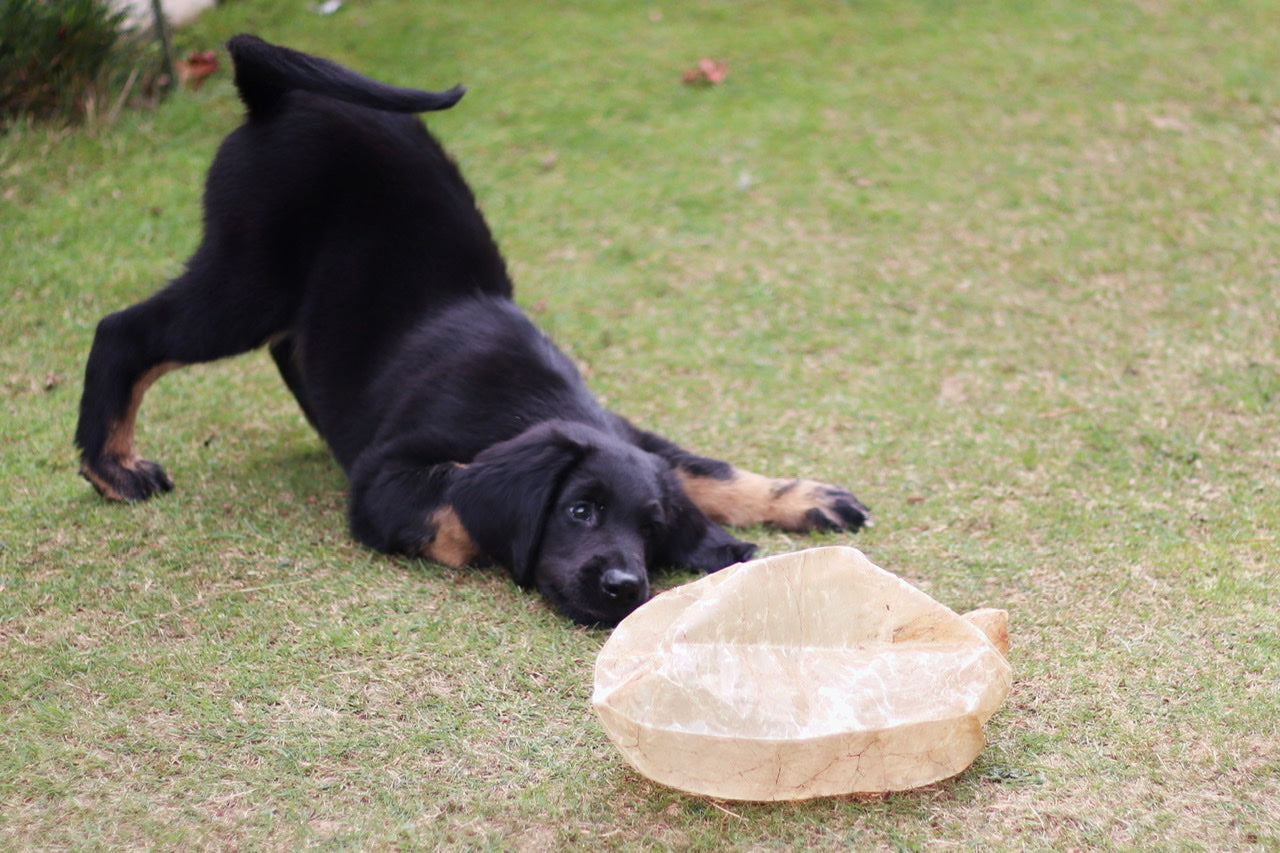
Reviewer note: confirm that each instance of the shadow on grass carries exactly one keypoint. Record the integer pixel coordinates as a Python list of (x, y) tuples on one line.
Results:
[(308, 473)]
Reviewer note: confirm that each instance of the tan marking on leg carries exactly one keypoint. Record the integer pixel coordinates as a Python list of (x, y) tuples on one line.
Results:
[(450, 543), (118, 453), (119, 443), (747, 498), (104, 488)]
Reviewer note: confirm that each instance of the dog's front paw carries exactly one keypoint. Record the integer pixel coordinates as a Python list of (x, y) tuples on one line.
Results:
[(834, 509), (740, 498), (128, 480), (713, 558)]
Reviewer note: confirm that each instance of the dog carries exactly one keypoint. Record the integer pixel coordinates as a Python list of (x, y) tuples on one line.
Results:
[(340, 235)]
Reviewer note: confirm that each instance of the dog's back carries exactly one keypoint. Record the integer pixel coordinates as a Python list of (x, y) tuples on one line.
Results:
[(333, 196)]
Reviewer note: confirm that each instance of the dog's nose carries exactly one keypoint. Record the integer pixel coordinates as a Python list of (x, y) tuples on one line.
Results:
[(621, 585)]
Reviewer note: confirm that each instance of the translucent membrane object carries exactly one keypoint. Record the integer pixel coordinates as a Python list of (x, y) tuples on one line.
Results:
[(801, 675)]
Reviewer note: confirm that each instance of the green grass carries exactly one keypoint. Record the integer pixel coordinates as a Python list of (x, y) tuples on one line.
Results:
[(1008, 270)]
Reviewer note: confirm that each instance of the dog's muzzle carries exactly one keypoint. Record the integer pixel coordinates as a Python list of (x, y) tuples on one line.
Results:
[(622, 586)]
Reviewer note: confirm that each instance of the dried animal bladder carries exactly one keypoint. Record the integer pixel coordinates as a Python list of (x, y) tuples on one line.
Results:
[(800, 675)]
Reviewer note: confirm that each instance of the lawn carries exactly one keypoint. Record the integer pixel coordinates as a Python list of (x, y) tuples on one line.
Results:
[(1010, 271)]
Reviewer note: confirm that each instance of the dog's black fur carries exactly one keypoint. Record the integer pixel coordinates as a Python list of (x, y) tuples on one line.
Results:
[(339, 233)]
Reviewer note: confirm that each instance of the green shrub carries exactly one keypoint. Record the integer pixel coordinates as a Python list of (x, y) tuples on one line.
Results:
[(60, 58)]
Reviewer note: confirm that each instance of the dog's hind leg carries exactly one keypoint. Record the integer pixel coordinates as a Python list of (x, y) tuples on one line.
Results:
[(202, 315)]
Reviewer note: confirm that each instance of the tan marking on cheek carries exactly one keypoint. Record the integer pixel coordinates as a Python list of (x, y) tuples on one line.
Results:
[(450, 543), (119, 443), (747, 498)]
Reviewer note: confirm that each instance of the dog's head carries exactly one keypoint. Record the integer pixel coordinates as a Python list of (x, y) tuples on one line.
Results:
[(582, 516)]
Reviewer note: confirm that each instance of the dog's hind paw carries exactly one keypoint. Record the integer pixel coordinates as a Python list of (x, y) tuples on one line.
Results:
[(129, 480)]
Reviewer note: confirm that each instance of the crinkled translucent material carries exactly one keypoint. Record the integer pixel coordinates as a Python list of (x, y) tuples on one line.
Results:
[(800, 675)]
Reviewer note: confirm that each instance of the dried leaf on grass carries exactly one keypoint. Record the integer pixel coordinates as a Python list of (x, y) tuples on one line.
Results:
[(193, 70), (708, 72)]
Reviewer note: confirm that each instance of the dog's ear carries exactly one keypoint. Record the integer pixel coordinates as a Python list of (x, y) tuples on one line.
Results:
[(504, 496), (694, 541)]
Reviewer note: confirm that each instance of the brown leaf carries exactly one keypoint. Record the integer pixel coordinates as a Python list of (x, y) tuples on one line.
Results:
[(196, 67), (708, 72)]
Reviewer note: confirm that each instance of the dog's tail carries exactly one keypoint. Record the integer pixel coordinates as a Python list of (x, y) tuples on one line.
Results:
[(265, 72)]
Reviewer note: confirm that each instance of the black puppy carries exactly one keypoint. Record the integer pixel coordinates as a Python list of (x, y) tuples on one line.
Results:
[(339, 233)]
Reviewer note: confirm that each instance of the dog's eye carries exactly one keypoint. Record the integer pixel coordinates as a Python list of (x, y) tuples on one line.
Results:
[(583, 511)]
